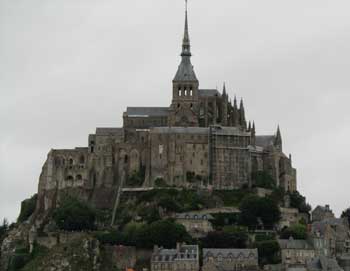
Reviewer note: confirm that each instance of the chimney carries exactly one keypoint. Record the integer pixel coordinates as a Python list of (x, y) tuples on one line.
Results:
[(155, 249), (178, 246)]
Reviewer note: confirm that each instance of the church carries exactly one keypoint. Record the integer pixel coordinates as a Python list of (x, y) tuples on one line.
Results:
[(201, 141)]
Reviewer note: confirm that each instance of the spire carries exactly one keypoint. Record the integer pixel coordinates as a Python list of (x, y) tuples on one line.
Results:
[(235, 102), (186, 46), (278, 139), (185, 71), (249, 126), (224, 90)]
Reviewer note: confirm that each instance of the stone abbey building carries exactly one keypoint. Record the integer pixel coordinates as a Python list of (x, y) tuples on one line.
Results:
[(202, 140)]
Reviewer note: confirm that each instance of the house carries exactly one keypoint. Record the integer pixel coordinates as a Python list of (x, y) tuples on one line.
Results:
[(230, 259), (295, 253), (321, 212), (323, 263), (184, 257), (197, 224)]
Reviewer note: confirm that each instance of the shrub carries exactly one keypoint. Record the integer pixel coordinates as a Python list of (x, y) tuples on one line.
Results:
[(27, 208), (231, 197), (160, 182), (255, 209), (136, 178), (269, 252), (297, 231), (73, 215), (113, 237), (298, 201), (229, 237), (164, 233)]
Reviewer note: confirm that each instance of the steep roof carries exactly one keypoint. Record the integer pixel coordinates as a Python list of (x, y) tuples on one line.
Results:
[(294, 244), (226, 252), (264, 140), (194, 215), (147, 111), (209, 92)]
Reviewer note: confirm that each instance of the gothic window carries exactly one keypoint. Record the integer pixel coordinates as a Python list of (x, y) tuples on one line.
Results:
[(191, 104), (82, 159), (178, 105), (191, 92), (69, 178), (179, 92), (79, 177), (71, 162), (185, 92)]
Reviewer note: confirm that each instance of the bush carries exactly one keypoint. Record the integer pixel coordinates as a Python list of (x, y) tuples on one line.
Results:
[(160, 182), (73, 215), (269, 252), (255, 209), (263, 179), (229, 237), (27, 208), (231, 197), (164, 233), (298, 201), (224, 219), (3, 229), (297, 231)]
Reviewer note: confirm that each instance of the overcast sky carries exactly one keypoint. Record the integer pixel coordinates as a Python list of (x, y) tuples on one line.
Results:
[(67, 67)]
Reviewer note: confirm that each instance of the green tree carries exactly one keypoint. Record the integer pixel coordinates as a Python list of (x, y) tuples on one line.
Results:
[(229, 237), (27, 208), (74, 215), (164, 233), (269, 252), (3, 229), (297, 231), (255, 209), (298, 201)]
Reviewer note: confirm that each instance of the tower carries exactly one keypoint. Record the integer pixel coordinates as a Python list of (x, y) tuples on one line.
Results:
[(184, 109)]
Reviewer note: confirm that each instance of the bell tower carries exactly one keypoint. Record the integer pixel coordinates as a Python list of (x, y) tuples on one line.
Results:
[(184, 109)]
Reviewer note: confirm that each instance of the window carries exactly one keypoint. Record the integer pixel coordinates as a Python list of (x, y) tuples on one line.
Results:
[(71, 162), (179, 93), (79, 177), (185, 92), (191, 92), (82, 159)]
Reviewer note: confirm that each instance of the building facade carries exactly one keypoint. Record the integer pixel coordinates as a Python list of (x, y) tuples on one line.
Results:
[(202, 140), (230, 259), (184, 257)]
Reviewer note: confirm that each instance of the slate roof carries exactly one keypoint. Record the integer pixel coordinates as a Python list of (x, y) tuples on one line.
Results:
[(109, 131), (323, 263), (194, 216), (294, 244), (226, 252), (264, 140), (208, 92), (147, 111), (185, 71)]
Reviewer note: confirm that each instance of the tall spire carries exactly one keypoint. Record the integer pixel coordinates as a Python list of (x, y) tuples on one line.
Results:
[(185, 71), (186, 46)]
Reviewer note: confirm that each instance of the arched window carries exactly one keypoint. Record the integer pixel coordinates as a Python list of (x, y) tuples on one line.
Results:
[(191, 92), (179, 93), (82, 159), (71, 162), (125, 159), (69, 178), (79, 177), (185, 92)]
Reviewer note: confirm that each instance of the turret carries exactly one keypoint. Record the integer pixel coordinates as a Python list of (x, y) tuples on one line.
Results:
[(224, 117), (242, 121), (278, 139)]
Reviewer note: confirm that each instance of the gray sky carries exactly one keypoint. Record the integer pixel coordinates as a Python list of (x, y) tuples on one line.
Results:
[(67, 67)]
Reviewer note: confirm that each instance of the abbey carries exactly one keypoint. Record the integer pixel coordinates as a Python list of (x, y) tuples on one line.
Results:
[(202, 140)]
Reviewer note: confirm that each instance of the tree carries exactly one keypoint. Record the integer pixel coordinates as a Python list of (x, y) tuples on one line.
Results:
[(268, 252), (297, 231), (298, 201), (164, 233), (255, 210), (73, 215), (346, 214), (230, 236)]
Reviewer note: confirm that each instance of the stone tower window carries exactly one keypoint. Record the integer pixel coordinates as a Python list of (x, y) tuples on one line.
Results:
[(191, 92), (79, 177), (185, 92), (179, 93), (82, 159), (71, 162)]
